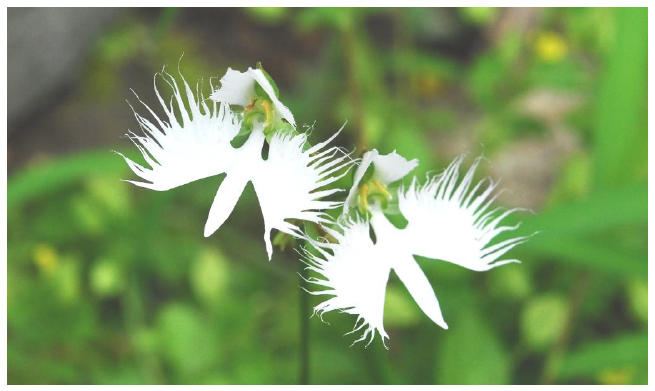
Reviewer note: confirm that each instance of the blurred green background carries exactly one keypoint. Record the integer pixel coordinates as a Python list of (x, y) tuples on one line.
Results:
[(109, 283)]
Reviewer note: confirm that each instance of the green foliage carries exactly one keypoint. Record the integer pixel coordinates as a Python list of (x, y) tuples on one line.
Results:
[(628, 350), (472, 353), (621, 122)]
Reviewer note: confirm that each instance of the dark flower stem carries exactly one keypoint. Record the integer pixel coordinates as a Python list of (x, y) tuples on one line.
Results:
[(303, 355)]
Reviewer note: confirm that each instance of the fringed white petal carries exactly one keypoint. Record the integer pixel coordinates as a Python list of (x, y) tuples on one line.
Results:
[(448, 221), (288, 183), (238, 88), (183, 151), (355, 273)]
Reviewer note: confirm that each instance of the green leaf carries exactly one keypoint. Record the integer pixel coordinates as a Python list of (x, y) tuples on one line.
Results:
[(53, 175), (599, 211), (565, 231), (621, 121), (622, 351), (603, 257), (471, 353)]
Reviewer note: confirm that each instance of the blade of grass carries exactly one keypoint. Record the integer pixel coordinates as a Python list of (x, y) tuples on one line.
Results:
[(52, 175), (601, 210), (621, 118), (617, 352)]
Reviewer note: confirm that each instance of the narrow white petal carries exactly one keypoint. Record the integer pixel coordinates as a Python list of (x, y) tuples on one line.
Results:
[(225, 201), (179, 152), (392, 167), (419, 287), (288, 182), (398, 250), (446, 223), (355, 273)]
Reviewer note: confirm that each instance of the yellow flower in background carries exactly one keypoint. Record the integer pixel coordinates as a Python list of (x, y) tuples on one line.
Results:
[(550, 47), (617, 376), (45, 257)]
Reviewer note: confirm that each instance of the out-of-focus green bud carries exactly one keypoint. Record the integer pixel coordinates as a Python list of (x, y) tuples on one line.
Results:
[(106, 278), (510, 282), (480, 15), (209, 277), (637, 291), (66, 280), (543, 320)]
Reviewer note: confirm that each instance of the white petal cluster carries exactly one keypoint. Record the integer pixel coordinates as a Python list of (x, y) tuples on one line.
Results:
[(446, 220), (198, 145)]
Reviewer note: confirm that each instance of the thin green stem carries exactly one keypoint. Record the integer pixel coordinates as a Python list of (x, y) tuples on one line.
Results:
[(350, 54), (558, 351), (304, 328)]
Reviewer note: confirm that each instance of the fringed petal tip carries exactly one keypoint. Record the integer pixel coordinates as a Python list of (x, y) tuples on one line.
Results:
[(181, 150), (353, 274), (289, 183), (448, 220)]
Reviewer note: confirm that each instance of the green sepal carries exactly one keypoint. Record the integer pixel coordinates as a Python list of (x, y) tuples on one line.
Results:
[(258, 88)]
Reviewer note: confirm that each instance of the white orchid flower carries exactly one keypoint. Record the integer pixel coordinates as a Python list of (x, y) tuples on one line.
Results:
[(446, 221), (198, 146)]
